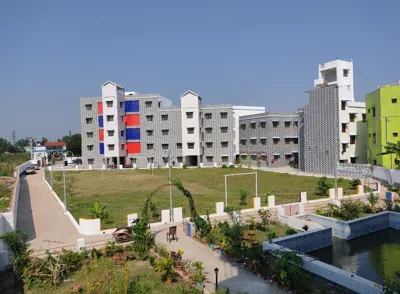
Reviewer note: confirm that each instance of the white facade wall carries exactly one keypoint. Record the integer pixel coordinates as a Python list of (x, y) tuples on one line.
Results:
[(240, 111), (190, 102)]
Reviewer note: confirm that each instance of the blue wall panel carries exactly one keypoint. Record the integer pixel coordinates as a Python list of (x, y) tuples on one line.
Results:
[(101, 148), (101, 124), (132, 106), (133, 134)]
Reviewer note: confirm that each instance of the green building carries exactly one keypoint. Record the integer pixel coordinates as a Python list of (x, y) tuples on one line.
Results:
[(383, 121)]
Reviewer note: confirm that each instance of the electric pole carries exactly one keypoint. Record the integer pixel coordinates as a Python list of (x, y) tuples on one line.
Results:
[(13, 134)]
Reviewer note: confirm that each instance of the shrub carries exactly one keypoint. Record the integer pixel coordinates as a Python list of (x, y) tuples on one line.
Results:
[(16, 241), (271, 235), (243, 197), (143, 239), (232, 166), (265, 217), (166, 266), (224, 166), (391, 284), (290, 231), (97, 212), (331, 210), (373, 200), (350, 209), (389, 206), (354, 183), (323, 186)]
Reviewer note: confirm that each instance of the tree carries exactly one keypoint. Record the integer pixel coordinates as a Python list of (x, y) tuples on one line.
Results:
[(44, 140), (323, 186), (4, 145), (74, 143), (393, 148)]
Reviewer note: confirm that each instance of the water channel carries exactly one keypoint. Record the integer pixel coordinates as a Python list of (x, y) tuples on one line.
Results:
[(372, 256)]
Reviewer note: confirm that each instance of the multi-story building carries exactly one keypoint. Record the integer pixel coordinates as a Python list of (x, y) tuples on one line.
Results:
[(145, 130), (383, 120), (333, 128), (269, 139)]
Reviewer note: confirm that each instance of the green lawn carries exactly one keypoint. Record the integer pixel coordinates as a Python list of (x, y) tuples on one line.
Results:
[(125, 192), (5, 196)]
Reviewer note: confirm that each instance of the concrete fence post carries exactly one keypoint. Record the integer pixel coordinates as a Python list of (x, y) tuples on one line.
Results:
[(360, 189), (281, 210), (271, 201), (340, 193), (219, 207), (378, 187), (332, 193), (301, 209), (80, 243), (257, 203), (303, 197)]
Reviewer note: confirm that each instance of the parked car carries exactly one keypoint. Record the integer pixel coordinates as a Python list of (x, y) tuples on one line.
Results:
[(30, 170), (77, 161)]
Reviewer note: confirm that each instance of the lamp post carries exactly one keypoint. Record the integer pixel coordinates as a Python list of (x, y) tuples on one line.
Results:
[(51, 164), (171, 212), (216, 270), (65, 188)]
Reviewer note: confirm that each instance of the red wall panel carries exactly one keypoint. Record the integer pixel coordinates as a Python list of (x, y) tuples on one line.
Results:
[(132, 120), (133, 147), (100, 107), (101, 135)]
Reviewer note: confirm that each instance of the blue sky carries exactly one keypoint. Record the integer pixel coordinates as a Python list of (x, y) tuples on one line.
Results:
[(239, 52)]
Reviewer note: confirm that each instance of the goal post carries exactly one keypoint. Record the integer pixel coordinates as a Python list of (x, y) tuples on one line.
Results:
[(240, 174)]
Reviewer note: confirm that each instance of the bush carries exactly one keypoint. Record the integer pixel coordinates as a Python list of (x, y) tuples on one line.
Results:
[(16, 241), (373, 200), (323, 186), (271, 235), (350, 209), (232, 166), (243, 197), (391, 284), (224, 166), (290, 231), (97, 212), (354, 183)]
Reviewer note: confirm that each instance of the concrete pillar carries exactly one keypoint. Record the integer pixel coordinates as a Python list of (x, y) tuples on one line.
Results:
[(378, 187), (303, 197), (281, 210), (177, 214), (339, 193), (271, 201), (360, 189), (77, 167), (90, 166), (219, 207), (118, 161), (332, 194), (80, 243), (301, 209), (165, 216), (389, 196), (215, 164), (257, 203)]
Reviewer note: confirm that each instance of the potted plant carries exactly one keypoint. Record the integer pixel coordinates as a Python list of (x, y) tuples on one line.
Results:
[(177, 258)]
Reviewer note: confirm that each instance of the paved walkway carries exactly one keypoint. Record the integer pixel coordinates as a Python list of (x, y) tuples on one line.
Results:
[(43, 219), (232, 276)]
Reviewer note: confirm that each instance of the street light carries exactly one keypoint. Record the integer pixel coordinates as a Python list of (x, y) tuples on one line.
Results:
[(216, 270), (65, 189), (51, 164), (171, 212)]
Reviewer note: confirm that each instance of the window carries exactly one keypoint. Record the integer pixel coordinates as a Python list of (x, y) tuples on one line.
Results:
[(344, 128), (88, 106), (89, 120), (178, 145), (133, 160), (224, 130), (352, 140), (150, 146), (224, 144), (224, 115), (224, 159), (210, 159), (122, 146), (149, 117), (263, 141), (395, 134), (374, 162), (109, 103), (263, 124), (90, 161), (164, 117), (253, 141), (253, 157), (287, 124), (275, 140), (373, 111), (159, 104), (110, 117), (89, 134), (346, 73), (189, 114), (121, 104), (110, 147), (150, 159), (364, 117), (190, 145), (275, 124), (296, 123), (352, 117), (190, 130), (149, 132), (353, 159), (277, 156), (287, 140), (164, 146), (122, 133), (208, 130), (165, 132), (243, 142), (252, 125), (90, 147), (209, 144), (343, 105), (179, 159), (288, 156), (295, 141), (208, 115), (369, 110), (122, 118), (243, 126), (394, 100), (148, 103), (110, 133), (344, 147), (263, 157), (374, 138)]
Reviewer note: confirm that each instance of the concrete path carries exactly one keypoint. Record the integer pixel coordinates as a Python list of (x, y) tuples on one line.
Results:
[(231, 275), (43, 219)]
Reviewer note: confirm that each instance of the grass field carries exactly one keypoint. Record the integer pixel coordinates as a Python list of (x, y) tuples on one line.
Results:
[(125, 192), (5, 196)]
